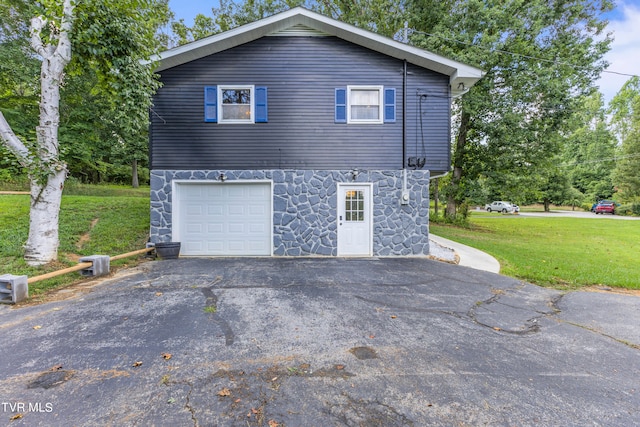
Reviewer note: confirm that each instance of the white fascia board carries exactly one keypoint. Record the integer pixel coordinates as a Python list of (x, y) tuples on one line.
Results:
[(457, 71)]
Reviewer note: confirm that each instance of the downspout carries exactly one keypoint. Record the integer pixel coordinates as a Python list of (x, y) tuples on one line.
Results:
[(404, 198), (404, 115)]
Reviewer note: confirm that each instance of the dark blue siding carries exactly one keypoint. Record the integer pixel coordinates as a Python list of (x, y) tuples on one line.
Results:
[(301, 75)]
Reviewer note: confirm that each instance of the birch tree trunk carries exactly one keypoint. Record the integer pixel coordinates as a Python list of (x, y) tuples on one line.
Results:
[(47, 172)]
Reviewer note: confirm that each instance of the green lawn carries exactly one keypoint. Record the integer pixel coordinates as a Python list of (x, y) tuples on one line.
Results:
[(109, 224), (558, 252)]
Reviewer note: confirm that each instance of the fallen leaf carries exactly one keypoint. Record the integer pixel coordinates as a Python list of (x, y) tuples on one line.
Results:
[(55, 368), (372, 336), (16, 417), (496, 328), (254, 410), (166, 356), (158, 294), (237, 401), (37, 327), (393, 316), (339, 367), (274, 379), (171, 400), (273, 423), (224, 392), (136, 364)]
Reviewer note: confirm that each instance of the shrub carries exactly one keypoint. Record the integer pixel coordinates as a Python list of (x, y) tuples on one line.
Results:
[(629, 209)]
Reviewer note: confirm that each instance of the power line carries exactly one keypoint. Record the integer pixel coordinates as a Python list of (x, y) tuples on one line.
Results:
[(608, 159), (522, 55)]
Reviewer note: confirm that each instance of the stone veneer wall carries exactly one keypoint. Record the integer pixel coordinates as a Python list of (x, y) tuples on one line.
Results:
[(304, 208)]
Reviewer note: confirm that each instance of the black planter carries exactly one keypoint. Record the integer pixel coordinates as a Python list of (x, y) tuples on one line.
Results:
[(168, 250)]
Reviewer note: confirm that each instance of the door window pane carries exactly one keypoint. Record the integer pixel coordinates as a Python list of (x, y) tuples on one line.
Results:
[(354, 205)]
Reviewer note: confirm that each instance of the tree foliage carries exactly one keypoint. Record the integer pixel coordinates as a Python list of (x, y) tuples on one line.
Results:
[(625, 109), (110, 39), (512, 120), (589, 150)]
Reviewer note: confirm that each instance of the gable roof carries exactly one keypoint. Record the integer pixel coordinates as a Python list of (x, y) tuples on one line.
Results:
[(301, 20)]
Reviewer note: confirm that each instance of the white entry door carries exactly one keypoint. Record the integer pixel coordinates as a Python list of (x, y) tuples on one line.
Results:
[(223, 218), (355, 221)]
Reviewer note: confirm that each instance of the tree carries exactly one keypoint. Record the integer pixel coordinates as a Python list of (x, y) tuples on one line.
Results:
[(512, 118), (46, 171), (228, 15), (589, 149), (625, 109), (111, 37)]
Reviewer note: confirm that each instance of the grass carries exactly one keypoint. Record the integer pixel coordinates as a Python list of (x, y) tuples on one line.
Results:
[(114, 221), (558, 252)]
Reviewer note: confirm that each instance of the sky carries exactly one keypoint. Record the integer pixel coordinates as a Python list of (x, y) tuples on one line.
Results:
[(624, 23)]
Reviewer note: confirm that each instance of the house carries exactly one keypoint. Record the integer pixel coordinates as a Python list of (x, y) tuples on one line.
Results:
[(299, 135)]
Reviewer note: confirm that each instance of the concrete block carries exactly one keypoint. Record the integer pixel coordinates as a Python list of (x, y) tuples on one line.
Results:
[(100, 265), (13, 289)]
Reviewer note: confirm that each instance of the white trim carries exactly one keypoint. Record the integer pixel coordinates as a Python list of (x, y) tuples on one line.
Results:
[(175, 212), (368, 185), (458, 72), (252, 101), (380, 118)]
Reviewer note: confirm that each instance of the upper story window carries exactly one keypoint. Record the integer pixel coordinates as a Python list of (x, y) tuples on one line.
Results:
[(364, 104), (235, 104)]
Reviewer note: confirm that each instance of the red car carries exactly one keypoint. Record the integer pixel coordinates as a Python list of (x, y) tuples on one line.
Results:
[(605, 206)]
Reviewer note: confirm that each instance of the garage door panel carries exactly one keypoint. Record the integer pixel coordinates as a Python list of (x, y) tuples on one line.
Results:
[(215, 210), (194, 228), (236, 209), (224, 219)]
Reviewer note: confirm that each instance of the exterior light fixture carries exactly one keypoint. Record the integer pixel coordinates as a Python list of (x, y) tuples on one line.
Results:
[(354, 174), (222, 177)]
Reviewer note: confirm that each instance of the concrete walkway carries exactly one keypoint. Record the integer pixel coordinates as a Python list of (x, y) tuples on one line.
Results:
[(469, 257)]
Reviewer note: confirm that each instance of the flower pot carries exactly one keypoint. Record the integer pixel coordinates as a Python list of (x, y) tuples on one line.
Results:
[(168, 250)]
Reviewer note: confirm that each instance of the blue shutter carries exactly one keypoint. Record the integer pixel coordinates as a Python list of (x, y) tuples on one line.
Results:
[(341, 105), (261, 105), (210, 104), (389, 105)]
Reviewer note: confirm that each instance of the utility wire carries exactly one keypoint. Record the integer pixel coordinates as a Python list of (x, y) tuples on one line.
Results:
[(522, 55), (608, 159)]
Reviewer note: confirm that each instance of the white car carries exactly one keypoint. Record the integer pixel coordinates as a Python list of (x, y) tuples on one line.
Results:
[(504, 207)]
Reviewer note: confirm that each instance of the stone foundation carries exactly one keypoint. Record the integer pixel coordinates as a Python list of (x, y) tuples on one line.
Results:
[(305, 206)]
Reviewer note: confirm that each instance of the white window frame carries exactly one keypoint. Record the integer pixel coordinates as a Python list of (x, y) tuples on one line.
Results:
[(380, 118), (252, 94)]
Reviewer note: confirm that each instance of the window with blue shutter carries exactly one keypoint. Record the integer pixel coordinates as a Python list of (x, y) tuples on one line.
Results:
[(261, 105), (341, 105), (389, 105), (210, 104)]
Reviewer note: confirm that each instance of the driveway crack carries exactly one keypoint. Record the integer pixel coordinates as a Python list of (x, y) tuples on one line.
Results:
[(211, 306), (188, 406)]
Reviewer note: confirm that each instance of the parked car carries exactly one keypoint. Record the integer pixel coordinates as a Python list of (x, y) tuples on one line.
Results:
[(500, 206), (605, 206)]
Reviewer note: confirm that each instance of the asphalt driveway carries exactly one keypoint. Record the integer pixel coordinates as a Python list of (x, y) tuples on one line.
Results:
[(320, 342)]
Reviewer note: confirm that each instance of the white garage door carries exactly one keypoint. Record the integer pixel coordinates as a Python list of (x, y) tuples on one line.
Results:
[(223, 219)]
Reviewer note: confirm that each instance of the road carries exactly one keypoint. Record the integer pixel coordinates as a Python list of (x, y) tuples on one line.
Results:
[(577, 214)]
